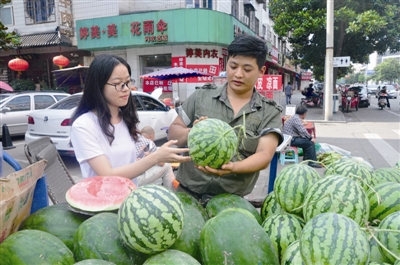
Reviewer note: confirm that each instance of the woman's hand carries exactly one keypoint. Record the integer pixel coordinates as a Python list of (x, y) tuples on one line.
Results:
[(169, 154), (224, 170)]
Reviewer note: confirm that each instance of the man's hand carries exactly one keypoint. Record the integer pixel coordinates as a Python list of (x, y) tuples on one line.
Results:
[(200, 119), (224, 170)]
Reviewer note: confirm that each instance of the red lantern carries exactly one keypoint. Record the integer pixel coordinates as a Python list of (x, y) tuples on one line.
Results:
[(61, 61), (18, 64)]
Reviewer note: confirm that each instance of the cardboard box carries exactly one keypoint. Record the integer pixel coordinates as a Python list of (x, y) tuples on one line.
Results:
[(16, 193)]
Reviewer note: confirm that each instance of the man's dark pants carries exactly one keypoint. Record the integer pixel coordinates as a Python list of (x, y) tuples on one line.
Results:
[(307, 146)]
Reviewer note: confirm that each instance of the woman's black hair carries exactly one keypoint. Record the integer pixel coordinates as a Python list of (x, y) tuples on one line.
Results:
[(93, 99), (249, 46)]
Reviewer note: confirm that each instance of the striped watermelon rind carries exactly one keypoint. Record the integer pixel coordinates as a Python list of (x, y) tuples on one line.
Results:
[(212, 143), (391, 240), (292, 255), (338, 194), (171, 256), (382, 175), (151, 219), (270, 206), (389, 194), (334, 239), (375, 254), (283, 229), (291, 185), (353, 169)]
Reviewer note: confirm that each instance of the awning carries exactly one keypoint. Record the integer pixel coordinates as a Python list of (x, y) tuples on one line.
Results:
[(44, 39)]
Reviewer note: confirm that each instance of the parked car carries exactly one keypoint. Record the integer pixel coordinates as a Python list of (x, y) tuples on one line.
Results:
[(391, 91), (55, 121), (15, 109), (364, 97), (372, 89)]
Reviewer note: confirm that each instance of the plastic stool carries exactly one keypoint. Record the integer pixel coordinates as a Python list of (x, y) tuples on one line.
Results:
[(285, 157)]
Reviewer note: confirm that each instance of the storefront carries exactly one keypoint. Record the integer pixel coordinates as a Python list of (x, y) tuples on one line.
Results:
[(150, 41)]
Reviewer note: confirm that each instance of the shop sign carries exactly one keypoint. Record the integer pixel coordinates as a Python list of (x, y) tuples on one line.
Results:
[(225, 52), (274, 55), (201, 53), (306, 76), (149, 84), (179, 61), (143, 29), (210, 69), (269, 83)]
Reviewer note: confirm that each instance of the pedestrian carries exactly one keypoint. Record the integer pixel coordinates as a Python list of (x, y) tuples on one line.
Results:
[(288, 92), (161, 173), (237, 99), (300, 137), (104, 129)]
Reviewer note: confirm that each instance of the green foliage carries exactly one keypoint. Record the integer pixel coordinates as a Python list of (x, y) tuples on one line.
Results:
[(387, 71), (361, 27), (7, 39), (23, 84)]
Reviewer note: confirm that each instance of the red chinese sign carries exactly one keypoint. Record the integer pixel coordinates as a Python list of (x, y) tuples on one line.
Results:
[(269, 83), (179, 61), (137, 29), (201, 53), (306, 76), (210, 69), (149, 84)]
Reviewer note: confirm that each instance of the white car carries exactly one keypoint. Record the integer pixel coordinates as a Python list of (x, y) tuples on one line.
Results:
[(55, 121), (15, 108)]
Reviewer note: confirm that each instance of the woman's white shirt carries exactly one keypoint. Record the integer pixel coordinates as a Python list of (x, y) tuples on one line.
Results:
[(89, 141)]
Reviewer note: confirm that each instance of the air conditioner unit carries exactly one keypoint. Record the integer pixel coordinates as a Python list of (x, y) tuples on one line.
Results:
[(246, 20)]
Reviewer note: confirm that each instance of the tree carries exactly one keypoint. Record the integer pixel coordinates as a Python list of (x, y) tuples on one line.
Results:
[(361, 27), (387, 71), (7, 39)]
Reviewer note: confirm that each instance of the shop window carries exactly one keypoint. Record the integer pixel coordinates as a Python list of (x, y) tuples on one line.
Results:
[(6, 15), (39, 11), (207, 4)]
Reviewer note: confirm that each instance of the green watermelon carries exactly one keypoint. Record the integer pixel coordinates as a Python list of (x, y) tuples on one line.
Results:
[(212, 143), (150, 219), (291, 186), (338, 194), (270, 206), (378, 263), (389, 194), (233, 237), (331, 238), (171, 257), (57, 220), (382, 175), (29, 247), (391, 240), (94, 262), (223, 201), (98, 238), (351, 168), (283, 229), (397, 165), (375, 253), (195, 218), (292, 255)]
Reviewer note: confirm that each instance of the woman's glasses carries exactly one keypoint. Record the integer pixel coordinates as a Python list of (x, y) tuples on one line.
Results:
[(119, 87)]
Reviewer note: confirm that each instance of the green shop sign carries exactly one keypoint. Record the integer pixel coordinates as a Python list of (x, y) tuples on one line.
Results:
[(161, 27)]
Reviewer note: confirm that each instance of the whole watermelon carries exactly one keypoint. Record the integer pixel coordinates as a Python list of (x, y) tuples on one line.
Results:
[(172, 257), (233, 237), (223, 201), (375, 253), (382, 175), (331, 238), (29, 247), (212, 143), (270, 206), (292, 255), (389, 194), (292, 184), (150, 219), (391, 240), (99, 238), (195, 218), (57, 220), (94, 262)]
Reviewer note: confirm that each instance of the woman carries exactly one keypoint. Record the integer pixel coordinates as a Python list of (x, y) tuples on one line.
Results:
[(104, 129)]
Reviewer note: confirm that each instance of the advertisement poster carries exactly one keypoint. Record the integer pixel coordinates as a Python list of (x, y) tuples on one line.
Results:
[(269, 83), (149, 84), (210, 69)]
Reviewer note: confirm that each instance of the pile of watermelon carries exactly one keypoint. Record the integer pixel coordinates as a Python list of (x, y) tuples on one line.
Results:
[(350, 215)]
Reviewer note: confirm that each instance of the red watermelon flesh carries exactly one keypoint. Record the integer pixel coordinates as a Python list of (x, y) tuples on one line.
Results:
[(101, 193)]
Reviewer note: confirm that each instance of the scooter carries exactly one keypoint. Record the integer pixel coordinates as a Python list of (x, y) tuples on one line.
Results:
[(313, 101), (382, 101)]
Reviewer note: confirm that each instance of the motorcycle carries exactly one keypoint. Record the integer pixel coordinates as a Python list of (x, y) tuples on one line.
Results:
[(316, 101), (382, 101)]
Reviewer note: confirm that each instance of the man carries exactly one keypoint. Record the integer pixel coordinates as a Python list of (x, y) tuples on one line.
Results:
[(383, 94), (238, 97), (288, 92), (300, 136)]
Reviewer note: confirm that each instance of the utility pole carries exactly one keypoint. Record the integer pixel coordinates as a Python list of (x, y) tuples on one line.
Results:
[(328, 98)]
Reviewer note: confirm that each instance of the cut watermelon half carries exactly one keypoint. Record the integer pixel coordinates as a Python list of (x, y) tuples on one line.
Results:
[(101, 193)]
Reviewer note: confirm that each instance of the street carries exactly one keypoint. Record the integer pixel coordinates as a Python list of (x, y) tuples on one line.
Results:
[(369, 133)]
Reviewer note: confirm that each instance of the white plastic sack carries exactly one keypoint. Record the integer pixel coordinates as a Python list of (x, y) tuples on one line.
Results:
[(332, 148)]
